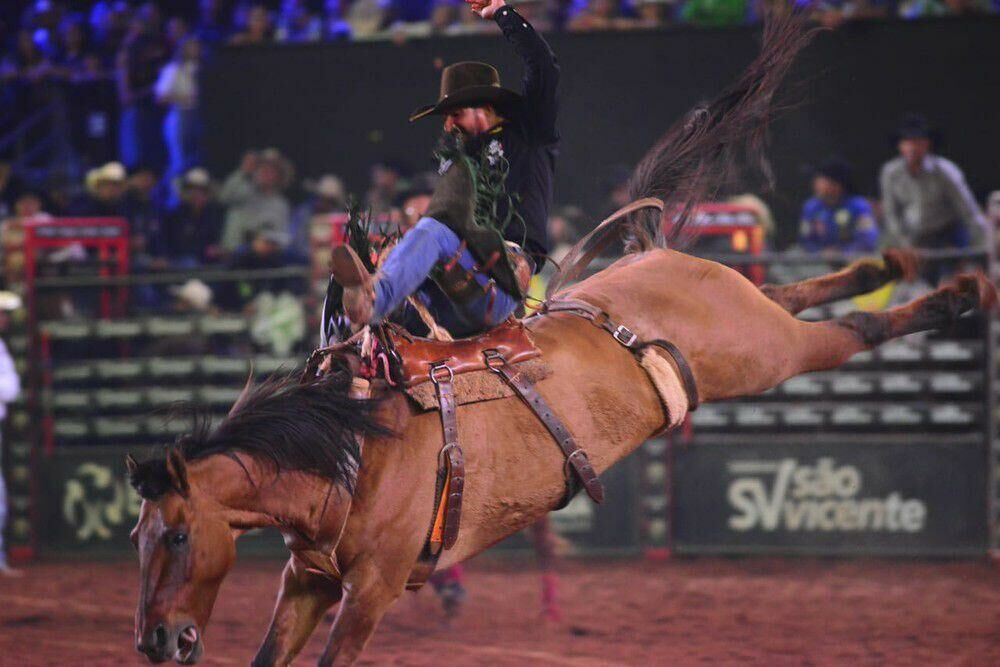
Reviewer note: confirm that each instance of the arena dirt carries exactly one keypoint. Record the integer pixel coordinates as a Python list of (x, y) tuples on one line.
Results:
[(623, 612)]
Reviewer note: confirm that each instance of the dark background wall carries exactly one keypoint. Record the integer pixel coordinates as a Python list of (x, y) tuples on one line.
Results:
[(340, 108)]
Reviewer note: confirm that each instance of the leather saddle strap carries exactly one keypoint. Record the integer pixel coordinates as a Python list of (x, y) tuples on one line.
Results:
[(628, 339), (451, 454), (625, 336), (590, 246), (687, 377), (576, 457)]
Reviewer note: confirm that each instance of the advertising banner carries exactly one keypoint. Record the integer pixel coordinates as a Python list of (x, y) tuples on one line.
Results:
[(828, 497), (89, 507)]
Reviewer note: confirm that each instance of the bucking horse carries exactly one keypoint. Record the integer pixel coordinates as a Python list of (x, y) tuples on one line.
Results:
[(354, 475)]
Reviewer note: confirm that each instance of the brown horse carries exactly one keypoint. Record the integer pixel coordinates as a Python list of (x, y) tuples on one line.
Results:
[(285, 456), (288, 457)]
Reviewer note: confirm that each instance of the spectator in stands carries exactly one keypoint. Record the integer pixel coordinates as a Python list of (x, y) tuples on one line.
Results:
[(597, 15), (715, 13), (75, 61), (177, 32), (140, 60), (539, 13), (469, 23), (836, 219), (616, 185), (833, 13), (30, 206), (27, 63), (258, 27), (11, 186), (253, 197), (108, 27), (368, 17), (926, 202), (386, 183), (105, 193), (413, 202), (144, 213), (443, 15), (297, 24), (335, 28), (653, 13), (211, 29), (192, 229), (177, 87), (10, 388), (268, 249), (328, 197), (915, 9)]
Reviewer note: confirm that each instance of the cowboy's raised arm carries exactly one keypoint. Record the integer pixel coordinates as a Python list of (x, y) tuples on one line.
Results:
[(541, 70)]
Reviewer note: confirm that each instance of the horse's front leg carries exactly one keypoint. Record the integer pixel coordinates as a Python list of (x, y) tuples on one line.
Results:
[(302, 601), (369, 590)]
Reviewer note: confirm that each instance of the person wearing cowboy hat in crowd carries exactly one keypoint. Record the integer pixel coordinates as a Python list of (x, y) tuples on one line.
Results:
[(253, 197), (835, 218), (10, 387), (192, 229), (106, 188), (329, 196), (503, 127), (926, 202)]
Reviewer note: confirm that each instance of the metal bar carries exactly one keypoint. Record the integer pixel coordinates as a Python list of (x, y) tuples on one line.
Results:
[(24, 126), (171, 278)]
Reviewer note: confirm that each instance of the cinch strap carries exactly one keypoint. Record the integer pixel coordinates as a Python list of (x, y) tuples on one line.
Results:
[(576, 457)]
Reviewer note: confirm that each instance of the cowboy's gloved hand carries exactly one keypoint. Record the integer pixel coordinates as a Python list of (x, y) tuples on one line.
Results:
[(486, 9)]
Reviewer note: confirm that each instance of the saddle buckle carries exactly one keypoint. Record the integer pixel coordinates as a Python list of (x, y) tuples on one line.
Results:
[(441, 372), (494, 359), (624, 335)]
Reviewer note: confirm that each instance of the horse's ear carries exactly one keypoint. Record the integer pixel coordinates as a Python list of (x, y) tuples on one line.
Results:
[(130, 465), (178, 470), (242, 398)]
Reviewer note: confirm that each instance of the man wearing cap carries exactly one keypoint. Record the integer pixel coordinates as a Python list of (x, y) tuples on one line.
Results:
[(925, 199), (835, 218), (496, 128)]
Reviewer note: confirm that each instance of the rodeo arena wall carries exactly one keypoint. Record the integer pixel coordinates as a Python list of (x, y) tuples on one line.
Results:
[(893, 454)]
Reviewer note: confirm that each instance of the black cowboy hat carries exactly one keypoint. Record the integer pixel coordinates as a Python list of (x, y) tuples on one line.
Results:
[(837, 169), (465, 85), (915, 126)]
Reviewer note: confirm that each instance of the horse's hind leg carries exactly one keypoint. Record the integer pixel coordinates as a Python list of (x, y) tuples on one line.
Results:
[(860, 277), (831, 343), (963, 293), (302, 601)]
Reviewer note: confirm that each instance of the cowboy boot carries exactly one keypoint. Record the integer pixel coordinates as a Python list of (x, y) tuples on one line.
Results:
[(359, 292)]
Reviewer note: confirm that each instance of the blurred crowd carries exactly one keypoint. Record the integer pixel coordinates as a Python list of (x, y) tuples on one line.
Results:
[(261, 215)]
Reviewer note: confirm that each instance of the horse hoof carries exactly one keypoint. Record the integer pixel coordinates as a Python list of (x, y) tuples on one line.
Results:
[(902, 263), (978, 288)]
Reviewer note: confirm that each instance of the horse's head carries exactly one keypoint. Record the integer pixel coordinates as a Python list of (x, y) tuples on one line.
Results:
[(185, 547)]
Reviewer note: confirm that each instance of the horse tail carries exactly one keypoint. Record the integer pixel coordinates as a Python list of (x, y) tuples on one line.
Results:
[(699, 153)]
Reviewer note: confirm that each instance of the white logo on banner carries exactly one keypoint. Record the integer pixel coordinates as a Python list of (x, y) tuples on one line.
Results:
[(95, 501), (785, 495)]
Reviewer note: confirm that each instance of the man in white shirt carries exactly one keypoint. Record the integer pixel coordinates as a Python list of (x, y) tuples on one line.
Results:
[(926, 202), (10, 387)]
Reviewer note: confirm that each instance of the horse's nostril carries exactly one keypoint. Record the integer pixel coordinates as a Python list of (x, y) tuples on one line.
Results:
[(159, 637)]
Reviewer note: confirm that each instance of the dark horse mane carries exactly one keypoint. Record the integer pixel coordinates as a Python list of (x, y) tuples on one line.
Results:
[(308, 426), (701, 152)]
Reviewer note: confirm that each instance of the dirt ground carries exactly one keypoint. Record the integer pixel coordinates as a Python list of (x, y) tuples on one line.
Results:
[(623, 612)]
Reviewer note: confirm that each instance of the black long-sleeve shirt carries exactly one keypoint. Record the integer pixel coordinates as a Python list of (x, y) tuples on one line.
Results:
[(529, 136)]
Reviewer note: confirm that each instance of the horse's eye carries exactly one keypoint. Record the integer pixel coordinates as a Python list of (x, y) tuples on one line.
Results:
[(178, 539)]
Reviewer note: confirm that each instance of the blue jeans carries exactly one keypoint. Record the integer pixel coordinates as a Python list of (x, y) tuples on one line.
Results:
[(407, 269)]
